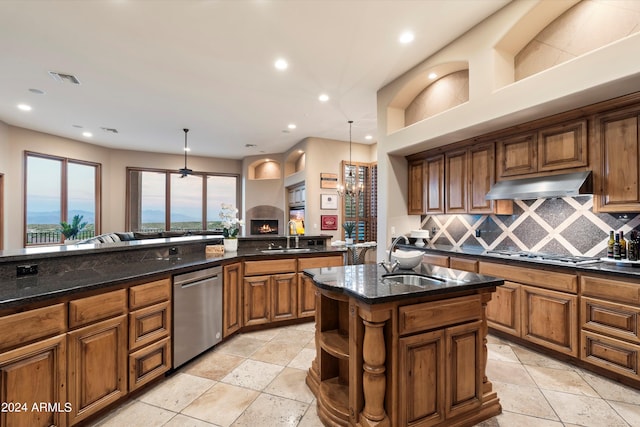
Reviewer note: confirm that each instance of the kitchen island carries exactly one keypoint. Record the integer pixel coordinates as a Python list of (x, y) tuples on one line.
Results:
[(400, 349)]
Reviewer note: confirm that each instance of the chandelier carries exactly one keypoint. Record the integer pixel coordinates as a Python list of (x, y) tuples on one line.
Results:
[(185, 171), (350, 188)]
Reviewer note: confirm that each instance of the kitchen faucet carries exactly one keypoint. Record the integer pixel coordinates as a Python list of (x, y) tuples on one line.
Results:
[(389, 266), (294, 233)]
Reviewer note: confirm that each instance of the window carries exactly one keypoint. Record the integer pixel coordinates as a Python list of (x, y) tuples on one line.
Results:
[(161, 200), (362, 210), (56, 190)]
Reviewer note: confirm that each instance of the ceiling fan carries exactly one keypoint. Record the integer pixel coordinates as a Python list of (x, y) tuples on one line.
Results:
[(185, 171)]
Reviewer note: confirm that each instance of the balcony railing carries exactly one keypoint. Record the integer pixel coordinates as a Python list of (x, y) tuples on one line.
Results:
[(53, 236)]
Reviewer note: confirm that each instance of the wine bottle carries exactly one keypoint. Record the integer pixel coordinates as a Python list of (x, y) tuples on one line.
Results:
[(610, 245), (616, 247), (632, 247), (623, 246)]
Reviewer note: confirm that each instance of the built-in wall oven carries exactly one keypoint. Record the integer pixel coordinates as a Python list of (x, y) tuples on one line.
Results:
[(197, 313)]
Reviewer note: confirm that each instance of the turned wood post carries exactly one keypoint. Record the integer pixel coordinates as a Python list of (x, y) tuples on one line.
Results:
[(374, 380)]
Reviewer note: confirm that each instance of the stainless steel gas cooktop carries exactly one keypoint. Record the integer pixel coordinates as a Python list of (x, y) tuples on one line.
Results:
[(537, 256)]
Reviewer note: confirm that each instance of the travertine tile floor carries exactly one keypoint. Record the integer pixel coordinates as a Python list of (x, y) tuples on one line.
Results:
[(258, 379)]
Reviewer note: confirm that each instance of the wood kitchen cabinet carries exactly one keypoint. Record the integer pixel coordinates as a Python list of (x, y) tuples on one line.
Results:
[(306, 288), (232, 297), (416, 188), (270, 291), (434, 184), (617, 151), (503, 311), (517, 155), (456, 181)]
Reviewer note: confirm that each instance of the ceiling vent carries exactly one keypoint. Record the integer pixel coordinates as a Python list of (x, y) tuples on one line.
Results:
[(61, 77), (110, 130)]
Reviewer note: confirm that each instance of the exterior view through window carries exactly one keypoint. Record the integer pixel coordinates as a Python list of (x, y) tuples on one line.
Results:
[(57, 189), (363, 209), (165, 201)]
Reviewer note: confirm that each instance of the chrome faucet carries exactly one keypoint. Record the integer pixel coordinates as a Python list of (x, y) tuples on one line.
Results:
[(290, 233), (389, 266)]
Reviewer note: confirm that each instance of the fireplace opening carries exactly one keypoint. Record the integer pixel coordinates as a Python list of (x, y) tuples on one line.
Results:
[(264, 226)]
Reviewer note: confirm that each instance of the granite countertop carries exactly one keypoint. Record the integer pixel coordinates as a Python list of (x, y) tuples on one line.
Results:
[(66, 281), (631, 271), (367, 282)]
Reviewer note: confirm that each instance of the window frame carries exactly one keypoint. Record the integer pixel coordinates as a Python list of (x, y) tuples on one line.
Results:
[(63, 191), (167, 201), (370, 200)]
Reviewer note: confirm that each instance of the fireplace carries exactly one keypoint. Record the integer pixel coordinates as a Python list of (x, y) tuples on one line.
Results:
[(264, 226)]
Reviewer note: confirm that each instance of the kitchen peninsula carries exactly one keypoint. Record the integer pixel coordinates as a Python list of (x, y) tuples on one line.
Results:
[(401, 348)]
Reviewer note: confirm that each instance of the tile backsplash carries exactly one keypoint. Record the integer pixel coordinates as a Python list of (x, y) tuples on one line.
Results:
[(560, 226)]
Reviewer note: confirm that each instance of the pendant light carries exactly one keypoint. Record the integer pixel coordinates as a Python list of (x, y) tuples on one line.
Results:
[(350, 187), (185, 171)]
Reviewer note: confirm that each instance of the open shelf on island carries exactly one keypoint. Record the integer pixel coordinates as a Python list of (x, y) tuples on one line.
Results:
[(336, 397), (336, 343)]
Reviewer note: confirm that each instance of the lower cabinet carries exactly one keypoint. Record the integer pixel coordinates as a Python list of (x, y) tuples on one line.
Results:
[(32, 374), (97, 367), (503, 311), (306, 288), (270, 298), (232, 298)]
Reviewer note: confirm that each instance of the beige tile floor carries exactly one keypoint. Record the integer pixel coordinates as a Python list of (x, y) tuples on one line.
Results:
[(257, 379)]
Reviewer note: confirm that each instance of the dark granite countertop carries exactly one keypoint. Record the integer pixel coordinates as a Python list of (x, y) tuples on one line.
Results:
[(70, 279), (367, 282), (604, 267)]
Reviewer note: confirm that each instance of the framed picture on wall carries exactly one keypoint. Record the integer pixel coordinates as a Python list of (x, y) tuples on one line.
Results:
[(328, 180), (328, 222), (328, 201)]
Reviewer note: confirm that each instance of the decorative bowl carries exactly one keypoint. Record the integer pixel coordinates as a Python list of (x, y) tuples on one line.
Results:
[(407, 259)]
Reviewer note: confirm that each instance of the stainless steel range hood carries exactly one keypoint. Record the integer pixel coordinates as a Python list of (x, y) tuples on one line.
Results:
[(544, 187)]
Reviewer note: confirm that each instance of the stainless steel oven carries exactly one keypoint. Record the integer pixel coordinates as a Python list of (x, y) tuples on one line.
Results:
[(197, 313)]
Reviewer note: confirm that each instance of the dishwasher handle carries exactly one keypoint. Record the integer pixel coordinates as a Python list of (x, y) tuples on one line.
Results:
[(195, 276), (197, 282)]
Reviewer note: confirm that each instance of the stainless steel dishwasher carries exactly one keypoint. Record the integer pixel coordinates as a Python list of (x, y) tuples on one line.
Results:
[(197, 313)]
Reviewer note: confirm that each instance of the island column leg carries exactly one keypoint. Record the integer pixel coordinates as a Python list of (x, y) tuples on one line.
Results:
[(374, 379)]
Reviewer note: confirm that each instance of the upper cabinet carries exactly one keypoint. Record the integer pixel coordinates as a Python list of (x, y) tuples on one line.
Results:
[(557, 147), (456, 181), (617, 147), (297, 195), (416, 187), (434, 174)]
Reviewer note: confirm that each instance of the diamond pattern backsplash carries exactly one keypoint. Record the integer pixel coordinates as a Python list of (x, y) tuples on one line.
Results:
[(565, 226)]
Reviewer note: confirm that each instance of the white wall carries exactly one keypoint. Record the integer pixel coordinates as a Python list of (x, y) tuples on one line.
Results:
[(602, 74)]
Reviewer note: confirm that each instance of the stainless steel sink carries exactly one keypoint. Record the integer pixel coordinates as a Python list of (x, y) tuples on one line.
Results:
[(286, 251), (413, 279)]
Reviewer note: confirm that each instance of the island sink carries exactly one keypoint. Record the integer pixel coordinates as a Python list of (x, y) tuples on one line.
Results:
[(286, 250), (413, 279)]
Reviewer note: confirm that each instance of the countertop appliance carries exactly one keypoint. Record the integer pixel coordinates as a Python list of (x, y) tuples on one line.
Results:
[(197, 313), (552, 258)]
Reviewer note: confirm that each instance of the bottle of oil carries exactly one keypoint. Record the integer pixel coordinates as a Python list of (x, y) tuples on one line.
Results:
[(610, 245), (616, 247), (623, 246), (632, 247)]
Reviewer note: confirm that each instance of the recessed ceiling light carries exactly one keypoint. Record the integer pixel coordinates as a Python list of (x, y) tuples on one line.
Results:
[(24, 107), (291, 126), (281, 64), (37, 91), (323, 97), (368, 137), (87, 134), (300, 151), (406, 37), (432, 76)]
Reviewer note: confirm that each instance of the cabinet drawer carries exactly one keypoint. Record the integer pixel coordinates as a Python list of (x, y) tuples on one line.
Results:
[(612, 290), (464, 264), (529, 276), (149, 293), (610, 353), (149, 324), (271, 266), (23, 328), (439, 260), (317, 262), (619, 320), (149, 363), (432, 315), (88, 310)]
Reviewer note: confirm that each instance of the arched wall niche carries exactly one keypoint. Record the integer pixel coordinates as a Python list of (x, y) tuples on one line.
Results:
[(264, 169), (396, 110), (295, 162), (443, 94)]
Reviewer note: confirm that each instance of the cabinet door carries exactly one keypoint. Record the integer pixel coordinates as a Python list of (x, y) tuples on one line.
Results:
[(481, 172), (465, 368), (434, 168), (97, 366), (284, 296), (456, 182), (232, 297), (550, 318), (32, 374), (422, 379), (618, 147), (503, 311), (149, 324), (517, 155), (306, 296), (563, 146), (416, 188), (256, 300)]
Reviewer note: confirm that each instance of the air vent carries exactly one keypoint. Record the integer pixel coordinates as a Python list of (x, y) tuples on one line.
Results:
[(61, 77), (110, 130)]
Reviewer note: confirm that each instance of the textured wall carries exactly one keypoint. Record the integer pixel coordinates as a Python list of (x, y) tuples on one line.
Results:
[(559, 226), (443, 94)]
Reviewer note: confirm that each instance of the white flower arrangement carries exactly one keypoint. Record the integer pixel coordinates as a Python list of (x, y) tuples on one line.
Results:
[(230, 222)]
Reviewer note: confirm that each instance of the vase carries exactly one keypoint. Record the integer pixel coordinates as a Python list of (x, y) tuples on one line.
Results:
[(231, 245), (349, 240)]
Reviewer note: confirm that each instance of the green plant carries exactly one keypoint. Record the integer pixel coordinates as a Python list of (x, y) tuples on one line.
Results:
[(349, 228), (71, 230)]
